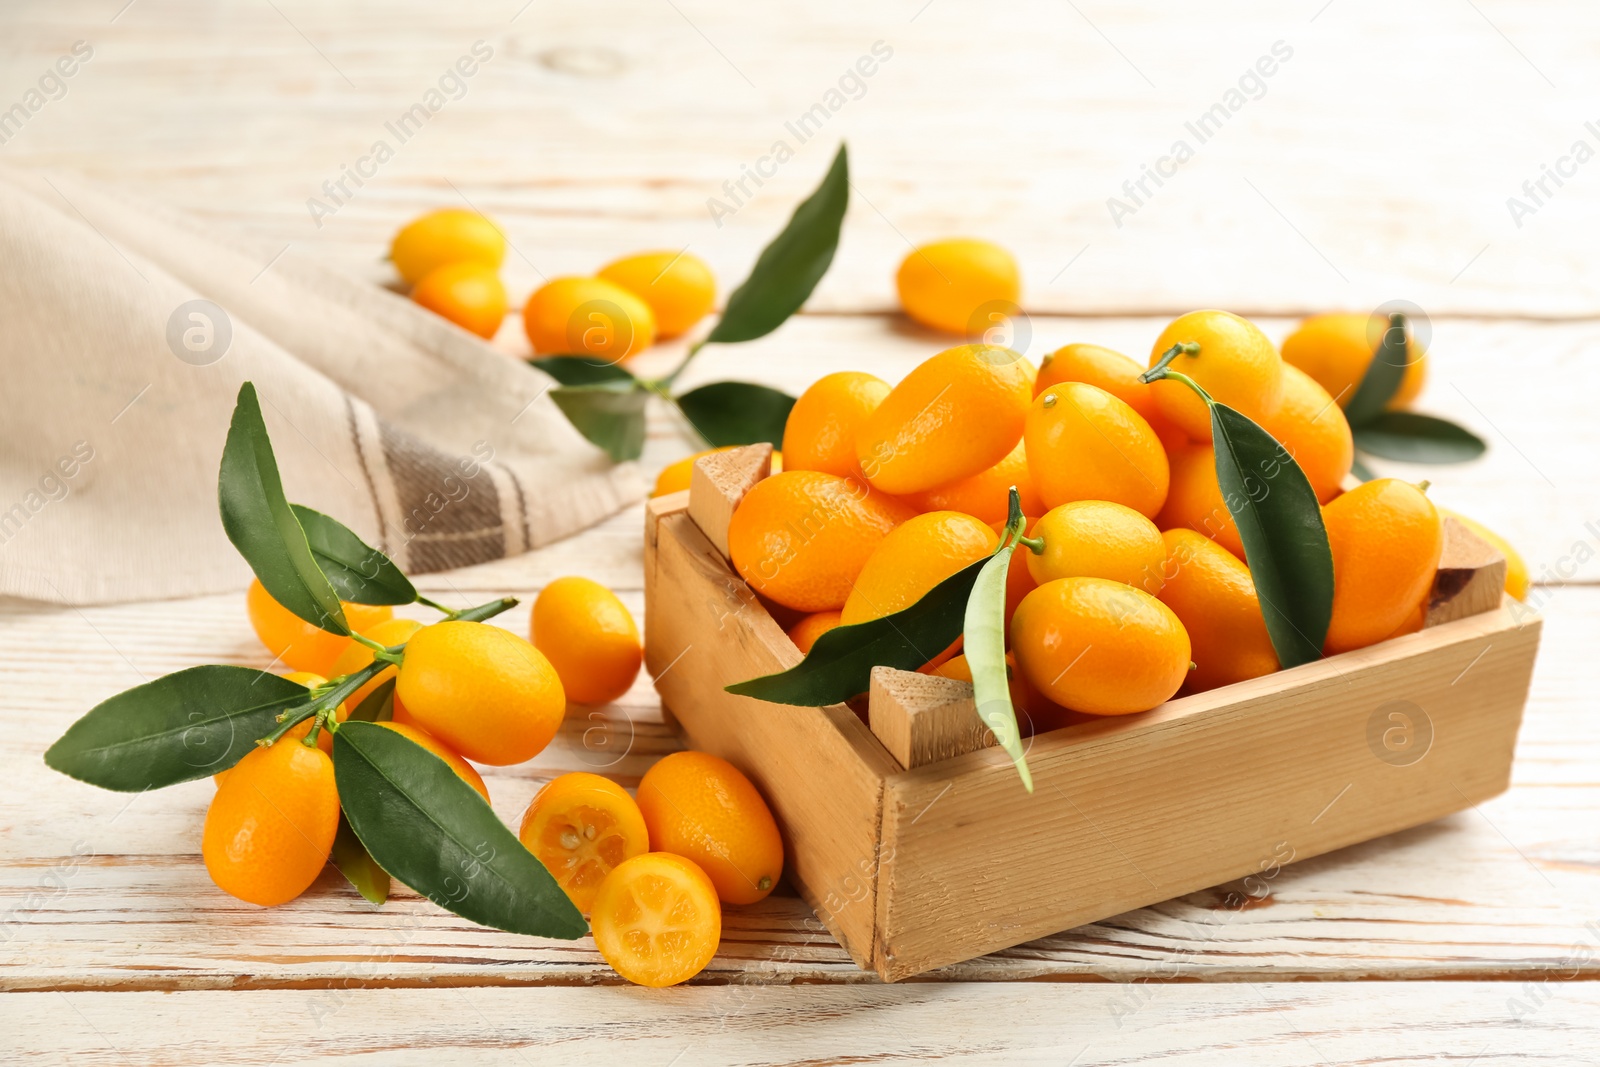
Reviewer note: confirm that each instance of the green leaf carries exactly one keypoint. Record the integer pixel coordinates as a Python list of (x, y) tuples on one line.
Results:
[(262, 526), (357, 864), (581, 370), (840, 664), (357, 571), (1280, 523), (609, 416), (737, 413), (1382, 377), (177, 728), (1417, 438), (984, 643), (432, 831), (791, 266), (378, 705), (1361, 470)]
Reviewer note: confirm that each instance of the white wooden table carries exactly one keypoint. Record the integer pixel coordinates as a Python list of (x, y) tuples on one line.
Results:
[(1376, 164)]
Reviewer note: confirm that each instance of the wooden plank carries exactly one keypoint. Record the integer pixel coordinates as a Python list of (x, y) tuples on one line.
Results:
[(718, 484), (665, 113), (1549, 1021), (820, 769), (1501, 892), (1471, 576), (1294, 765), (923, 718)]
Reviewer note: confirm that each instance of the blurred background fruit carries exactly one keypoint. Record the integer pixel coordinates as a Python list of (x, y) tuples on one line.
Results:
[(469, 294), (943, 284), (451, 235), (679, 287), (588, 317)]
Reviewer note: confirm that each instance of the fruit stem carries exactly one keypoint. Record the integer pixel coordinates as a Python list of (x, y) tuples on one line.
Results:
[(482, 611), (435, 605), (378, 651), (1034, 544), (1190, 382), (1422, 486), (1182, 348), (665, 384)]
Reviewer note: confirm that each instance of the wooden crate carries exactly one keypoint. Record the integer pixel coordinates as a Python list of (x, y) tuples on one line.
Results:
[(939, 855)]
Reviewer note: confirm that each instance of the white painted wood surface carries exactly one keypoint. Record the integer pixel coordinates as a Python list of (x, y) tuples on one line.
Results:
[(1377, 165)]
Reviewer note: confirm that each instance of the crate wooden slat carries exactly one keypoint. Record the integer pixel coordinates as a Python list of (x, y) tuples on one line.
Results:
[(917, 868)]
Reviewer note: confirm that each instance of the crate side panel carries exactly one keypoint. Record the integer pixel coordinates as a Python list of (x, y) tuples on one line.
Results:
[(820, 769), (1208, 789)]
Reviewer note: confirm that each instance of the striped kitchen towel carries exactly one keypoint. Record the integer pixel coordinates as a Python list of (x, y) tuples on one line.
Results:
[(126, 329)]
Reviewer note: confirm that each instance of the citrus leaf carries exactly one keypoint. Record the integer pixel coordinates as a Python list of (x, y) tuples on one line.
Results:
[(581, 370), (840, 664), (357, 571), (737, 413), (177, 728), (1285, 543), (610, 416), (791, 266), (262, 526), (357, 864), (432, 831), (1416, 438), (984, 643), (378, 706), (1382, 377)]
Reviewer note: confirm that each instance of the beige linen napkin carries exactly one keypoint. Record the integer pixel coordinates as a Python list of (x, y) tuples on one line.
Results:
[(125, 332)]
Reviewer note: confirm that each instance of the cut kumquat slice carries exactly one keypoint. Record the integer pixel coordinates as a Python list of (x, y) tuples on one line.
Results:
[(657, 920), (581, 826)]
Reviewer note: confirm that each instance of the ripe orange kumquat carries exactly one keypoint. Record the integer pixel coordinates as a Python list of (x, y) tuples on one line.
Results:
[(589, 637), (945, 284), (589, 317), (656, 919), (355, 656), (1213, 595), (582, 827), (271, 824), (453, 235), (1085, 444), (1336, 350), (1312, 429), (804, 633), (820, 434), (1386, 538), (1098, 539), (679, 287), (1100, 647), (464, 770), (469, 294), (954, 415), (298, 643), (703, 808), (483, 691), (987, 494), (1036, 714), (1194, 499), (1112, 371), (1236, 364), (801, 537), (916, 556)]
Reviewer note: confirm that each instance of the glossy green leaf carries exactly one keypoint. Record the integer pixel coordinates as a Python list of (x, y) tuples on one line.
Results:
[(357, 864), (357, 571), (1285, 543), (791, 266), (1416, 438), (610, 416), (581, 370), (177, 728), (737, 413), (378, 706), (984, 644), (1382, 377), (433, 832), (262, 526), (840, 664)]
